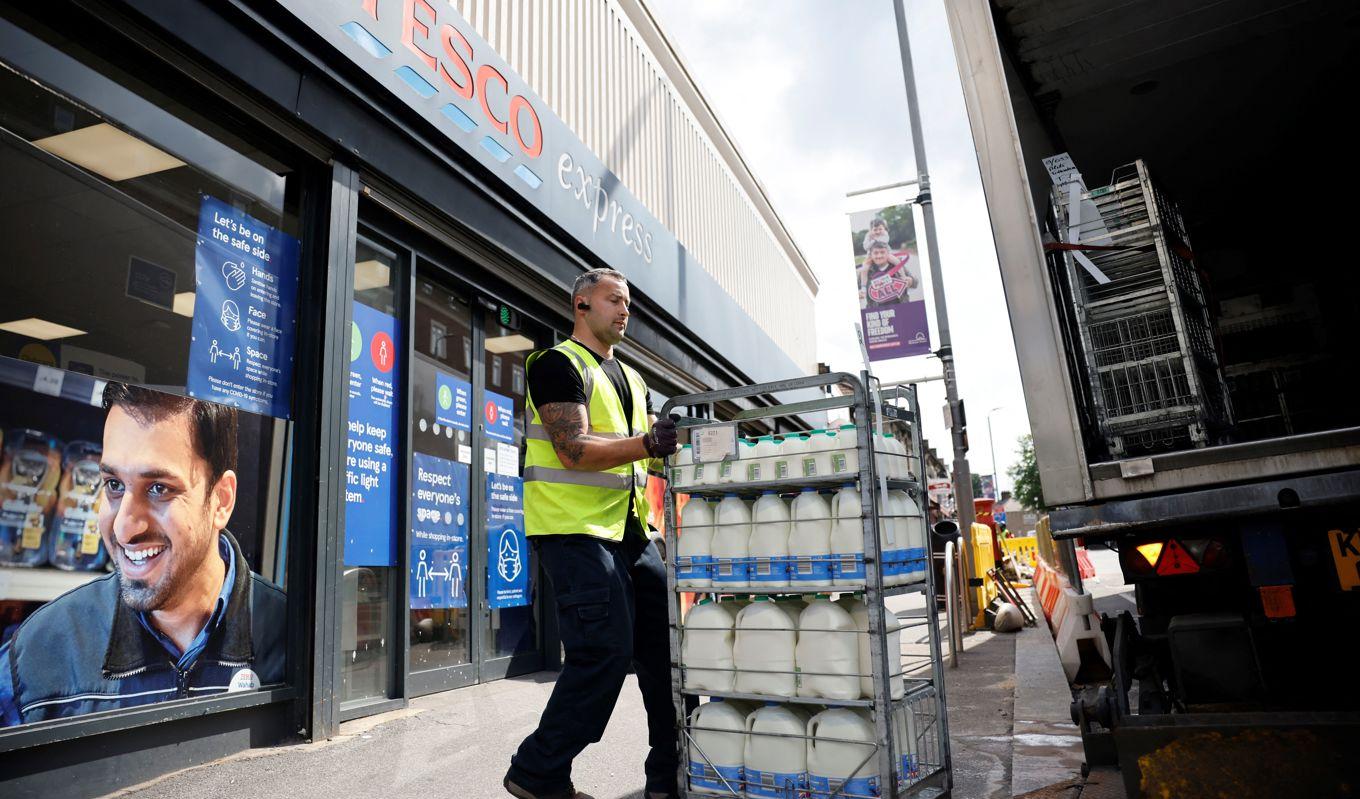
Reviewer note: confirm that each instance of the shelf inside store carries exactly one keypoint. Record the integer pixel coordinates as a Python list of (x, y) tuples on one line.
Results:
[(916, 688), (786, 486), (888, 590), (42, 584)]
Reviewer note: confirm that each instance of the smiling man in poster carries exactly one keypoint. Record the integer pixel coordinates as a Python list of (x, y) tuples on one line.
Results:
[(183, 615)]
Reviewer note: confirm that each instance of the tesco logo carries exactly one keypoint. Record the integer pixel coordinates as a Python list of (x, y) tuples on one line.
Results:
[(455, 62)]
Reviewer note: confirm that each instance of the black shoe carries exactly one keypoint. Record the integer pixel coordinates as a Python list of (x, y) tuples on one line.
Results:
[(522, 793)]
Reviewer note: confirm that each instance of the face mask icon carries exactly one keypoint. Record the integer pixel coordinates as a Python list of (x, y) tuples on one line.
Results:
[(508, 563), (231, 316)]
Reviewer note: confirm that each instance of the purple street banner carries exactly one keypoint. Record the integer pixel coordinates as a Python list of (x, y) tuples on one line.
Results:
[(892, 303)]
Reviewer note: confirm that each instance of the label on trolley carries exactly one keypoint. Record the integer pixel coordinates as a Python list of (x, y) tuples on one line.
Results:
[(775, 784), (810, 568), (857, 788), (713, 443), (702, 775), (693, 567), (848, 566)]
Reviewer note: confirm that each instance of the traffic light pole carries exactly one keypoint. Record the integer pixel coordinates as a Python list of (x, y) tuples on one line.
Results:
[(963, 478)]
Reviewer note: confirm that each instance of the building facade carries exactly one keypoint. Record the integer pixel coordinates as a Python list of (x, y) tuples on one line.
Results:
[(350, 221)]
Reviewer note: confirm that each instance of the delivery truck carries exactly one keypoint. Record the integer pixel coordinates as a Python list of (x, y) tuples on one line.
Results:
[(1170, 187)]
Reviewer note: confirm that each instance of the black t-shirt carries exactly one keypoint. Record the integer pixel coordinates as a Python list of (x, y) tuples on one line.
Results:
[(554, 378)]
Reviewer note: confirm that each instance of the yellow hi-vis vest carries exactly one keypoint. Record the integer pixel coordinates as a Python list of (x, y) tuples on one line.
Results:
[(561, 501)]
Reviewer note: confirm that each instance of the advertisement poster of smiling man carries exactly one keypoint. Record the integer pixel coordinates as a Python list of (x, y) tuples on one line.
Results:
[(182, 615)]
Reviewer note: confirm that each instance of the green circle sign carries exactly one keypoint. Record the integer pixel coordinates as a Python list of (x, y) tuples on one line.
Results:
[(356, 342), (445, 397)]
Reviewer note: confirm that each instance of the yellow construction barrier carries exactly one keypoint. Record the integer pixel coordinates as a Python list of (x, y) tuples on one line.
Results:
[(983, 561), (1025, 549)]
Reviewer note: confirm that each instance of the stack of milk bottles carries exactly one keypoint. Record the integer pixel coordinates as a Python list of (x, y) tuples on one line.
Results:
[(778, 644)]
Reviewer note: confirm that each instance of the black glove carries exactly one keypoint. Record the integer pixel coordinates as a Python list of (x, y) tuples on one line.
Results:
[(661, 440)]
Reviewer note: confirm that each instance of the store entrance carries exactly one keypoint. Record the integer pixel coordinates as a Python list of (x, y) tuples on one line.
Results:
[(473, 580)]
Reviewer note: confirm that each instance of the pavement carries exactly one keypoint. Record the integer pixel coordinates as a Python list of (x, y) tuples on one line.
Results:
[(1007, 702)]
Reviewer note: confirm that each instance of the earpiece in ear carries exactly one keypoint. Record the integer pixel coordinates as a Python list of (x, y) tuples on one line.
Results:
[(583, 306)]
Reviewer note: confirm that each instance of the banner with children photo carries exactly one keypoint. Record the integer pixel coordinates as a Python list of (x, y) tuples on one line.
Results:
[(891, 294)]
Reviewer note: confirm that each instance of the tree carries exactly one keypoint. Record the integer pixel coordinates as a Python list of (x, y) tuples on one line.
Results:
[(977, 484), (1025, 476)]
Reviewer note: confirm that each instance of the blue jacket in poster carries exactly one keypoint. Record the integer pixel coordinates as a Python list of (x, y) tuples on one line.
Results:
[(86, 651)]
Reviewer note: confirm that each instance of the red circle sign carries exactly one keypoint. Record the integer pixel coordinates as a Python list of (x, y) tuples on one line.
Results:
[(491, 412), (382, 352)]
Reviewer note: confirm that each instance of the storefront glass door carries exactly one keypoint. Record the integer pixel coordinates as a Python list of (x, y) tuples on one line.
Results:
[(441, 641), (472, 581), (510, 616)]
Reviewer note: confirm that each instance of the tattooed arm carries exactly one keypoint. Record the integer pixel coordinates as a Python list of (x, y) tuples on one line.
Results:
[(568, 426)]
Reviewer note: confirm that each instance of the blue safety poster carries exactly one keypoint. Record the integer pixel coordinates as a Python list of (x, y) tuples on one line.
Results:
[(499, 414), (439, 533), (507, 547), (370, 474), (245, 311), (453, 401)]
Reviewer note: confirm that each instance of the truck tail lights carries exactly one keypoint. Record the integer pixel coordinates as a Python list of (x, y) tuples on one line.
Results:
[(1175, 557)]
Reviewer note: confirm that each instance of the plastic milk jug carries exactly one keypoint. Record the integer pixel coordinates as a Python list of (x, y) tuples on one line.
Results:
[(776, 767), (892, 643), (833, 761), (914, 532), (764, 649), (893, 538), (769, 543), (694, 549), (816, 462), (706, 651), (904, 741), (827, 652), (793, 451), (761, 467), (682, 467), (844, 456), (734, 471), (731, 544), (722, 739), (810, 539), (847, 539)]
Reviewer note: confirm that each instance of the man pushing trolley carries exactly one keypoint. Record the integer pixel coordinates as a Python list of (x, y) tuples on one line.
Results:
[(590, 440)]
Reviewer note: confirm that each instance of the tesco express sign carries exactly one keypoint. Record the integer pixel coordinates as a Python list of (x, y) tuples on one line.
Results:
[(421, 29), (431, 59)]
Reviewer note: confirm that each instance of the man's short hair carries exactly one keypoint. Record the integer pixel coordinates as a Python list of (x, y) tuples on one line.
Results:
[(212, 427), (878, 245), (588, 280)]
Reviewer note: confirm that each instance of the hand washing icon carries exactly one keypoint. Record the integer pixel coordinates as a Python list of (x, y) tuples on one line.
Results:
[(234, 274)]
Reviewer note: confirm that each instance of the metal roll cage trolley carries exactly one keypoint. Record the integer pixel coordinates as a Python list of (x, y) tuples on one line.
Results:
[(919, 664)]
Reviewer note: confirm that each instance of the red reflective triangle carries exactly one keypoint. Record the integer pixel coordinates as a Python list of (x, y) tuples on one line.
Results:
[(1175, 560)]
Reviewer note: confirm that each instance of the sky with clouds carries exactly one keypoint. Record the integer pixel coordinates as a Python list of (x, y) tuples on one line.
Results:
[(812, 92)]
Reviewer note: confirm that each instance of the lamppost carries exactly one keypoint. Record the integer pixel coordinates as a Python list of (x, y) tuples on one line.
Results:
[(991, 444)]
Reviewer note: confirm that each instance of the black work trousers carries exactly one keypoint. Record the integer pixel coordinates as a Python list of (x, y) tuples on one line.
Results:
[(611, 611)]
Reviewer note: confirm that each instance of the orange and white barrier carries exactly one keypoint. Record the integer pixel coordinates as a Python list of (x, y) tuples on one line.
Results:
[(1075, 625)]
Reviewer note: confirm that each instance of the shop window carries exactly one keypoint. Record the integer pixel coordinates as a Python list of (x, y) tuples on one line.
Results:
[(148, 304)]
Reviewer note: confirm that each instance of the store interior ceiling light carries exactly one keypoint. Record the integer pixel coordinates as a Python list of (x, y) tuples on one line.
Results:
[(511, 343), (108, 151), (40, 329), (371, 275), (184, 303)]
